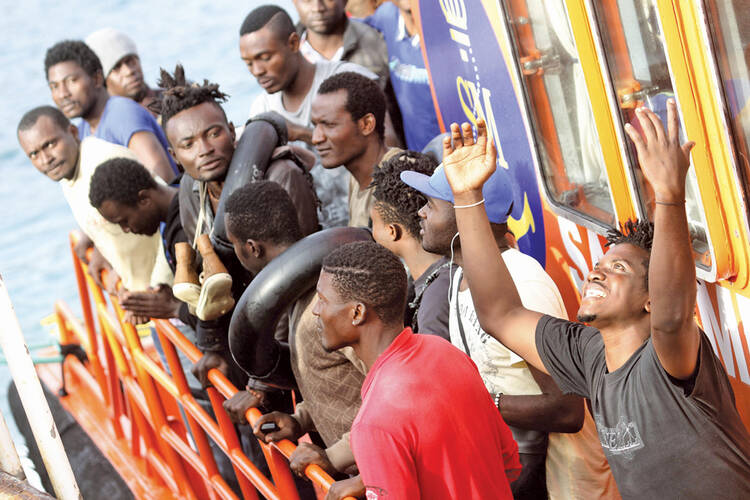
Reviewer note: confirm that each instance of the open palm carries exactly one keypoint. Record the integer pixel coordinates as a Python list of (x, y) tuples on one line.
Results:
[(468, 163)]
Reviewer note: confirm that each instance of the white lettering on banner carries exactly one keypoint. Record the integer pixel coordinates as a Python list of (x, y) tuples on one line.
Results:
[(723, 332), (454, 12), (469, 91), (570, 236), (595, 247)]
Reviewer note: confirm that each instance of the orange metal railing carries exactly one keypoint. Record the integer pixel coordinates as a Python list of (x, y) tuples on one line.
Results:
[(144, 402)]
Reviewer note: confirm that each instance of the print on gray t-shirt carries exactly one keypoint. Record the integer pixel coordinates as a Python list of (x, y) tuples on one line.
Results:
[(661, 440)]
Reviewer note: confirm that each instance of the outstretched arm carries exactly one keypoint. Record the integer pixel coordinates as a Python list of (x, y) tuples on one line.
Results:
[(151, 153), (671, 272), (496, 300)]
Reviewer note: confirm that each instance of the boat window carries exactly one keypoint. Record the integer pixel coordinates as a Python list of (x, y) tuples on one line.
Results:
[(633, 48), (570, 156), (730, 34)]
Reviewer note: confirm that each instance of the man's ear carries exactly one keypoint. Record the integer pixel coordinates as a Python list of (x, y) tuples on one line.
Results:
[(255, 248), (171, 153), (293, 42), (232, 132), (395, 232), (359, 313), (144, 197), (647, 306), (99, 78), (367, 124), (73, 130)]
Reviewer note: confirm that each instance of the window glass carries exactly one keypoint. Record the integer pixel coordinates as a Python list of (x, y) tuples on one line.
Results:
[(561, 118), (729, 27), (633, 48)]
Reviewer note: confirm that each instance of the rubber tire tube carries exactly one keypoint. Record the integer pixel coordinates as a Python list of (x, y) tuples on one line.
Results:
[(282, 282), (253, 151)]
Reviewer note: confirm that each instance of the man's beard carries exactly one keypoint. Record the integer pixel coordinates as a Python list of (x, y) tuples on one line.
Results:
[(586, 318)]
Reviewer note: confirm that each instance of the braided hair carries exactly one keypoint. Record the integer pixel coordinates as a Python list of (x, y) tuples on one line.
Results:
[(366, 272), (179, 94), (395, 201)]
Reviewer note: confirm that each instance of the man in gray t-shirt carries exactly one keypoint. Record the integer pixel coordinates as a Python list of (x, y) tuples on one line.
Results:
[(663, 406), (647, 420)]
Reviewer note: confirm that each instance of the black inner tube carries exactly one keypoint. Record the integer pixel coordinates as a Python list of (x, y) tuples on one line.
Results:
[(279, 284)]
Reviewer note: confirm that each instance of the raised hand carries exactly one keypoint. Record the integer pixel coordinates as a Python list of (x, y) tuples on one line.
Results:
[(663, 160), (468, 164)]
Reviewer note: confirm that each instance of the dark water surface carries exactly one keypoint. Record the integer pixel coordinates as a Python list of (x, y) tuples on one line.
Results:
[(35, 258)]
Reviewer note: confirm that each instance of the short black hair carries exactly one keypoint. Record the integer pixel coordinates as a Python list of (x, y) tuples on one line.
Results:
[(72, 50), (179, 95), (395, 201), (263, 211), (30, 118), (639, 233), (120, 180), (281, 23), (369, 273), (363, 96)]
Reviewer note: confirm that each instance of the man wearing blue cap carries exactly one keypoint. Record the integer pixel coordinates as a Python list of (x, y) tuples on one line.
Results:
[(528, 400)]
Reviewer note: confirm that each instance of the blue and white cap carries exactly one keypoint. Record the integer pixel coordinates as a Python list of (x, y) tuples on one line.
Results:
[(497, 191)]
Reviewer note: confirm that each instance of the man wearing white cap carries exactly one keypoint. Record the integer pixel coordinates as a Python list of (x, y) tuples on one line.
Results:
[(121, 65)]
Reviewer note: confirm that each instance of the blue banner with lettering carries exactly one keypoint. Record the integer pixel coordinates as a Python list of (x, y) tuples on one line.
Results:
[(470, 78)]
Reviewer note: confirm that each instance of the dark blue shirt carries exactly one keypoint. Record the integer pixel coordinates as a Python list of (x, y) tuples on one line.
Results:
[(408, 77), (121, 118)]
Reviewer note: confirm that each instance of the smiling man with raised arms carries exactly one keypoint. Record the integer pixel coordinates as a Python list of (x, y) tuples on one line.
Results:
[(661, 399)]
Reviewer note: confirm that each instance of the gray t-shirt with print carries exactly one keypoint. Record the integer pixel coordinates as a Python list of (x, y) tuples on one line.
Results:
[(661, 439)]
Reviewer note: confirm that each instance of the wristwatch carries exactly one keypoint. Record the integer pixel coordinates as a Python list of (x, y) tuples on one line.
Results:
[(498, 398)]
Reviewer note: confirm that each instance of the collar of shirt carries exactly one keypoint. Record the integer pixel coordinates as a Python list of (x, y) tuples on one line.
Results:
[(76, 172), (401, 33), (313, 55)]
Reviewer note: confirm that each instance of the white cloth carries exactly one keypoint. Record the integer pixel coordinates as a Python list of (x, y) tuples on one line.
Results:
[(313, 55), (571, 458), (131, 256), (301, 116)]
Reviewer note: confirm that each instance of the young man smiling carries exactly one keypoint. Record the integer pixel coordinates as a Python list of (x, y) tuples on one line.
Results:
[(661, 399)]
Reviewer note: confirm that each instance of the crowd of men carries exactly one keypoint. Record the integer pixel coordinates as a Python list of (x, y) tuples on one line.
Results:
[(428, 356)]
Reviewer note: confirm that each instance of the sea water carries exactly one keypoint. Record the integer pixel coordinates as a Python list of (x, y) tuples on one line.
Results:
[(35, 259)]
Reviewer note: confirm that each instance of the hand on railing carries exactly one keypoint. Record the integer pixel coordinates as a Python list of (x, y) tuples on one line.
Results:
[(347, 488), (207, 362), (237, 406), (309, 454), (287, 427)]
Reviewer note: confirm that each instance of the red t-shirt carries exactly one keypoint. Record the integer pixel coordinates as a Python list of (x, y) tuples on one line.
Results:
[(428, 428)]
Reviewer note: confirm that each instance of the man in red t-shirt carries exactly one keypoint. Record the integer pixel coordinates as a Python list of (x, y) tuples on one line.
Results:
[(427, 427)]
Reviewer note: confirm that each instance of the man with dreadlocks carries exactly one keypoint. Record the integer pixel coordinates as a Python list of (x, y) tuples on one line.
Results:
[(202, 141), (661, 399), (395, 225)]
